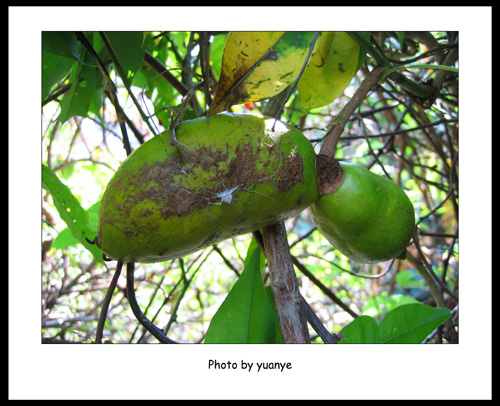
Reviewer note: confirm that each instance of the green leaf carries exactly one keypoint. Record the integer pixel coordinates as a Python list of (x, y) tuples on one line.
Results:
[(362, 330), (254, 246), (128, 47), (216, 51), (258, 65), (406, 324), (66, 238), (329, 71), (270, 297), (62, 43), (70, 210), (400, 35), (76, 102), (246, 315), (380, 305), (54, 69), (411, 323), (362, 51)]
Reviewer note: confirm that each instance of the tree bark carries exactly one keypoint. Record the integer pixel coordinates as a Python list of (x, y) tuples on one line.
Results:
[(288, 301)]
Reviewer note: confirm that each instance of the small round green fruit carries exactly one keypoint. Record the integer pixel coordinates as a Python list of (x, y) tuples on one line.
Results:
[(368, 217)]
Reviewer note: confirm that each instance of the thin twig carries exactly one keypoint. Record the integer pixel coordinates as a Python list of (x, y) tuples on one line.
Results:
[(315, 322), (110, 89), (407, 84), (125, 81), (323, 288), (106, 302), (175, 122), (155, 331), (187, 283), (416, 242), (164, 72)]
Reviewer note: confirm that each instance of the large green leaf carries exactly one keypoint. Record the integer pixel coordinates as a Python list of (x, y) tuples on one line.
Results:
[(62, 43), (362, 330), (62, 54), (406, 324), (76, 102), (246, 315), (258, 65), (70, 210), (216, 51), (54, 69), (128, 46), (411, 323)]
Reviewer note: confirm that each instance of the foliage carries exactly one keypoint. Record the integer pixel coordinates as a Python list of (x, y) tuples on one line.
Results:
[(406, 324), (105, 93)]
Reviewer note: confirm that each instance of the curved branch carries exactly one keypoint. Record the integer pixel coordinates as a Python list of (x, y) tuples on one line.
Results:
[(155, 331)]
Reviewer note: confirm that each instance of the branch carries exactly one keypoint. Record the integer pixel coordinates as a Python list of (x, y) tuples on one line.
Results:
[(336, 127), (105, 305), (163, 71), (409, 85), (289, 303), (327, 292), (155, 331), (177, 120), (110, 88), (125, 80), (316, 324)]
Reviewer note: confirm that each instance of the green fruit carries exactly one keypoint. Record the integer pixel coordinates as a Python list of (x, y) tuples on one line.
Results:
[(368, 218), (163, 203)]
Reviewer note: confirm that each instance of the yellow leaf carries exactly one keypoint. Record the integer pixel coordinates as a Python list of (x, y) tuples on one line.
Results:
[(330, 70), (258, 65)]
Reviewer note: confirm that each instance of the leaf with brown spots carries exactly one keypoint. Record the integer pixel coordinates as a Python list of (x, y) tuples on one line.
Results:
[(258, 65), (329, 71)]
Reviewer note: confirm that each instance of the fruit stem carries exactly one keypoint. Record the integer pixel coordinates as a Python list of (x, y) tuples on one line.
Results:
[(329, 174)]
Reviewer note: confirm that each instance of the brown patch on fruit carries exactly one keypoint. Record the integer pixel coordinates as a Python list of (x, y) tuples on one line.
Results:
[(293, 173), (163, 183), (329, 174)]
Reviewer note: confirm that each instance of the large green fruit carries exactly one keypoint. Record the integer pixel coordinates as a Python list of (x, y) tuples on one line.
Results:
[(163, 203), (368, 218)]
